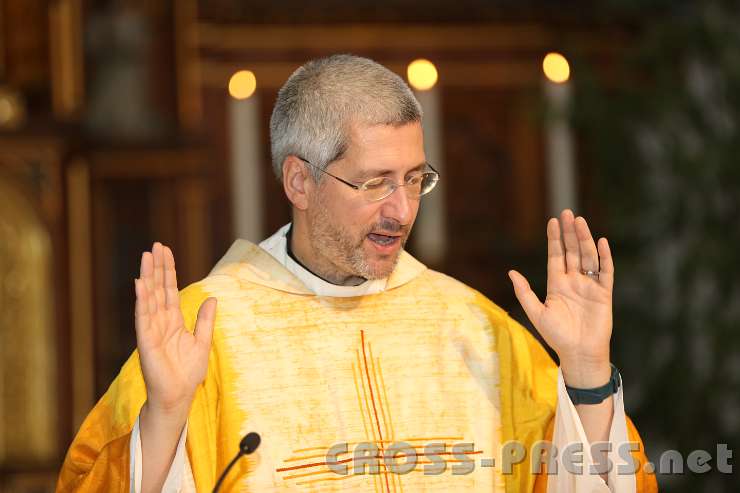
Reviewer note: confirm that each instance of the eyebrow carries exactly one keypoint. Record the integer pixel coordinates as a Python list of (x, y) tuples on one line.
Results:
[(385, 172)]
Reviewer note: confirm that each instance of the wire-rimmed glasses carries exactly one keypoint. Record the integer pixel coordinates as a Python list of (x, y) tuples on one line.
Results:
[(380, 187)]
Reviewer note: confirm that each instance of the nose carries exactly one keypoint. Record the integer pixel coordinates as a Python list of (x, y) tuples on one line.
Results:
[(399, 206)]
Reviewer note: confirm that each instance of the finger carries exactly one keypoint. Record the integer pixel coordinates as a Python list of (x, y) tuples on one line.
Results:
[(529, 301), (146, 270), (589, 255), (205, 321), (570, 240), (555, 257), (606, 276), (147, 278), (141, 308), (172, 297), (157, 253)]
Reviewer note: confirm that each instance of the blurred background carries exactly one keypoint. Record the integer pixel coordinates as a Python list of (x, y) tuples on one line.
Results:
[(123, 122)]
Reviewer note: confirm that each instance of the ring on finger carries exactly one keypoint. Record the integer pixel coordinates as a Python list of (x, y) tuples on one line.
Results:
[(590, 273)]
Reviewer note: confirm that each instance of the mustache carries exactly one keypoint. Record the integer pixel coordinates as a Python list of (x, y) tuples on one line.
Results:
[(389, 226)]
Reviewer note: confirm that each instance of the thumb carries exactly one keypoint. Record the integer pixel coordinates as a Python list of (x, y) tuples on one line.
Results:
[(529, 301), (205, 322)]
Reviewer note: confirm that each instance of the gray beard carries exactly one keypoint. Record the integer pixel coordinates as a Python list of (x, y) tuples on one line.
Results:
[(340, 253)]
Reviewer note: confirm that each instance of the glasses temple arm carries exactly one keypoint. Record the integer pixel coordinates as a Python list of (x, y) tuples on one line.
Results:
[(327, 173)]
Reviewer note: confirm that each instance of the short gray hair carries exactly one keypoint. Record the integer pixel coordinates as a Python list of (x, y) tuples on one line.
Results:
[(319, 102)]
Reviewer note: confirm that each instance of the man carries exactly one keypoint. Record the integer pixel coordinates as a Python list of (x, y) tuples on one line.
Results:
[(331, 341)]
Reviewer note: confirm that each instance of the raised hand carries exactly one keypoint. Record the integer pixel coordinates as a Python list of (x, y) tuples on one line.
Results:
[(173, 361), (576, 317)]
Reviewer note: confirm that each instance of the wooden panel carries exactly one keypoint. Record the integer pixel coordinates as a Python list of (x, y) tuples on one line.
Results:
[(25, 43), (67, 81), (29, 397), (33, 168), (494, 188), (140, 196)]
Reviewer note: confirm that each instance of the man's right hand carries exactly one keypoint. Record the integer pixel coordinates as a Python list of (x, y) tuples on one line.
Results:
[(173, 361)]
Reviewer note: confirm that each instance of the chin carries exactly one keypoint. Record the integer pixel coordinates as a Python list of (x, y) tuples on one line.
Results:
[(380, 269)]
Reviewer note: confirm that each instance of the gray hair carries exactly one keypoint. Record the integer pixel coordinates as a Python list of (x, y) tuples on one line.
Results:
[(320, 100)]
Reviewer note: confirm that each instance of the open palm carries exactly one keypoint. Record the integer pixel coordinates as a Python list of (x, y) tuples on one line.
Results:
[(173, 361), (576, 317)]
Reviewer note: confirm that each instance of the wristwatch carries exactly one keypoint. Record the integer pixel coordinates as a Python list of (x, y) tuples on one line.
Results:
[(598, 394)]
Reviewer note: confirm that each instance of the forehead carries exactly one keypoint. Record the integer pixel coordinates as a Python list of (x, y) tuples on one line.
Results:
[(384, 146)]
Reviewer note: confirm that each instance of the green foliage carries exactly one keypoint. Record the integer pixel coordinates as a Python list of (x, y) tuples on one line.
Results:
[(665, 144)]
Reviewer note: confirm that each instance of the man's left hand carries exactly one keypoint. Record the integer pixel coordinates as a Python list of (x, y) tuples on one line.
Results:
[(576, 317)]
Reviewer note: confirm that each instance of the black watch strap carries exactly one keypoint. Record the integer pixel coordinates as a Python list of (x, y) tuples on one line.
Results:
[(598, 394)]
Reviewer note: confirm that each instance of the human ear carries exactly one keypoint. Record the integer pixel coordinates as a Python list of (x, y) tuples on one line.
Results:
[(296, 182)]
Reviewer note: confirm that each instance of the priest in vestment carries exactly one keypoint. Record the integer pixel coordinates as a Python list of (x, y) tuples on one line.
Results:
[(328, 333)]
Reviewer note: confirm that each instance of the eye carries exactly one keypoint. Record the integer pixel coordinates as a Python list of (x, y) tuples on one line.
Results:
[(375, 183), (415, 179)]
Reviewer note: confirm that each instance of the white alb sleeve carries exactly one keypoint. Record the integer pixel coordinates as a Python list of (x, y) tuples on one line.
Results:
[(569, 430), (179, 478)]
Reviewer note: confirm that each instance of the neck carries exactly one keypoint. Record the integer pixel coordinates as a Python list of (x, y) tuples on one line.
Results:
[(301, 250)]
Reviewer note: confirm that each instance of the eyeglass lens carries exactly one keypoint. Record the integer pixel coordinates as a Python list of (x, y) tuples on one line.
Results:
[(381, 187)]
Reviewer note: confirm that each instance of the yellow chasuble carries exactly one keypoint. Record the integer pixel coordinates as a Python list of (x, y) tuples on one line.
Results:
[(426, 361)]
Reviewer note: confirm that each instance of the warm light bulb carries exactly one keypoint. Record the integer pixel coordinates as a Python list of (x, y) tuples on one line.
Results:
[(12, 109), (556, 67), (242, 84), (422, 74), (6, 111)]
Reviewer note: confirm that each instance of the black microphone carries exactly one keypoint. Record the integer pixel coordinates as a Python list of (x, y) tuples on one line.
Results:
[(249, 444)]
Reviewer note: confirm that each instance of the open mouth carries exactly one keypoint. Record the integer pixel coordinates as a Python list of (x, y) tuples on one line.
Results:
[(383, 240)]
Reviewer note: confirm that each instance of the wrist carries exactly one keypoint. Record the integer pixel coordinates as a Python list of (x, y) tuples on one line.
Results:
[(172, 416), (584, 373), (595, 395)]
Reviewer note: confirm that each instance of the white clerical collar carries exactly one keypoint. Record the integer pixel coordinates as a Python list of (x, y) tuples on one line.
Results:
[(277, 246)]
